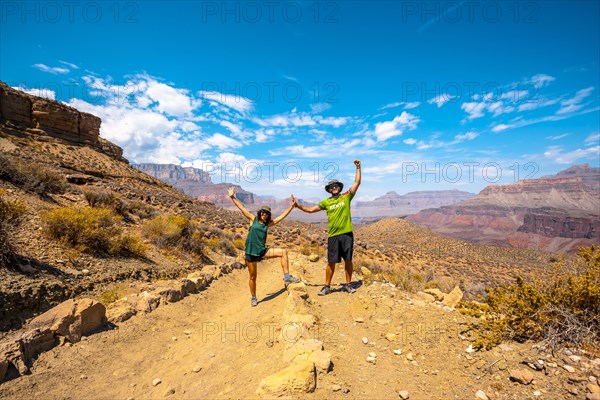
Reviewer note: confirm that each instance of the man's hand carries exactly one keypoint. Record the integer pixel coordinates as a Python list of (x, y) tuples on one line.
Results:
[(294, 201), (357, 163), (231, 191)]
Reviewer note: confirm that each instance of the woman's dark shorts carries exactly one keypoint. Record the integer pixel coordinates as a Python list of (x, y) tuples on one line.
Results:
[(339, 247), (251, 258)]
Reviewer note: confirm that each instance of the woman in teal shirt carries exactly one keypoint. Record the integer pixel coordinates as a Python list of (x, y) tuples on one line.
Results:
[(256, 249)]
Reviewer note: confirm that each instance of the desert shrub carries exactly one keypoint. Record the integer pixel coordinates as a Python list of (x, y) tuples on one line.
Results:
[(239, 244), (139, 208), (166, 230), (94, 230), (11, 212), (30, 177), (561, 308), (226, 246), (193, 243), (113, 294), (101, 198)]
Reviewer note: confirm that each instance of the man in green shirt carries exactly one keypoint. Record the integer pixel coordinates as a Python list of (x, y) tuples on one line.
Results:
[(341, 240)]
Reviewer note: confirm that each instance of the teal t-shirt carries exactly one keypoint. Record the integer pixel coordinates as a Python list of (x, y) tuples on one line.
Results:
[(338, 213), (257, 238)]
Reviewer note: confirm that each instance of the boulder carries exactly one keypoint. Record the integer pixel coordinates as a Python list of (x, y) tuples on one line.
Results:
[(453, 298), (435, 292), (425, 297), (294, 379), (72, 318)]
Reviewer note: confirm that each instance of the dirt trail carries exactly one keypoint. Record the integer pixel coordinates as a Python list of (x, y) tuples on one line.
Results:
[(236, 346)]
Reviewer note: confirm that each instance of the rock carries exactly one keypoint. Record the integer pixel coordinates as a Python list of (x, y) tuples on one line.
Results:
[(403, 394), (169, 391), (372, 354), (505, 347), (302, 346), (72, 318), (365, 340), (537, 393), (197, 369), (522, 376), (359, 320), (593, 388), (470, 349), (592, 396), (410, 357), (436, 293), (391, 337), (568, 368), (365, 271), (481, 395), (398, 352), (296, 378), (336, 388), (313, 257), (322, 360), (574, 358), (425, 297), (453, 298), (120, 311), (156, 381), (371, 360)]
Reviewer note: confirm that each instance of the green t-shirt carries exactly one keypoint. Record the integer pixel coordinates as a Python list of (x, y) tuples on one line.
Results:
[(257, 238), (338, 213)]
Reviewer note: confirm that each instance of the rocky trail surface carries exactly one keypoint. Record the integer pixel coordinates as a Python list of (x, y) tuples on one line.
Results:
[(376, 343)]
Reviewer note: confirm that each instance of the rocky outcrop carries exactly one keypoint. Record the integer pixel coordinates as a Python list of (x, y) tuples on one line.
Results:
[(24, 114), (555, 213), (175, 174), (409, 203)]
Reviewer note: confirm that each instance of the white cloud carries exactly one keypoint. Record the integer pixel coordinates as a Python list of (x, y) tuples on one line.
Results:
[(466, 136), (574, 103), (319, 107), (534, 104), (593, 138), (388, 129), (474, 109), (170, 101), (52, 70), (410, 141), (407, 105), (556, 153), (441, 99), (302, 151), (236, 102), (557, 137), (68, 64), (40, 92), (223, 142), (541, 80)]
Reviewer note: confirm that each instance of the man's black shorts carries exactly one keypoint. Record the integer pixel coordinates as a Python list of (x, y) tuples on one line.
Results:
[(340, 246), (251, 258)]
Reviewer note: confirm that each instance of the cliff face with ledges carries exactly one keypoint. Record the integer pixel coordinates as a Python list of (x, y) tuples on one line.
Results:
[(556, 213), (21, 113)]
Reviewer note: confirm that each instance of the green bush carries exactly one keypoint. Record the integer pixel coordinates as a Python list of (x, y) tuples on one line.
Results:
[(30, 177), (561, 308), (94, 230)]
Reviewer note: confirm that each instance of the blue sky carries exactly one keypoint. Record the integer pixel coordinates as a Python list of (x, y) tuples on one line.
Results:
[(282, 96)]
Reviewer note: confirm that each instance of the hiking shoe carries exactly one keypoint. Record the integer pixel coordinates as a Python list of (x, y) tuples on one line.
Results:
[(290, 279), (325, 291), (348, 288), (253, 302)]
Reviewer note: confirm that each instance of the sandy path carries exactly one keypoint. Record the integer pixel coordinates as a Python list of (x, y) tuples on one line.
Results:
[(234, 344)]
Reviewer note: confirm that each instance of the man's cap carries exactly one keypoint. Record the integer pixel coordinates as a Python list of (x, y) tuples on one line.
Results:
[(335, 181)]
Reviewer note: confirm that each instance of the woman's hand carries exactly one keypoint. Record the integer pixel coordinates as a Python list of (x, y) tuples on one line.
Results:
[(294, 201), (231, 191)]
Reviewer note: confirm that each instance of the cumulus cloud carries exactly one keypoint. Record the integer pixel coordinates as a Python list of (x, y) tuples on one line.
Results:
[(40, 92), (388, 129)]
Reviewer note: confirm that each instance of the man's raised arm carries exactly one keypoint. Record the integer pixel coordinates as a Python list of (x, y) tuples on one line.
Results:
[(309, 209), (357, 176)]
